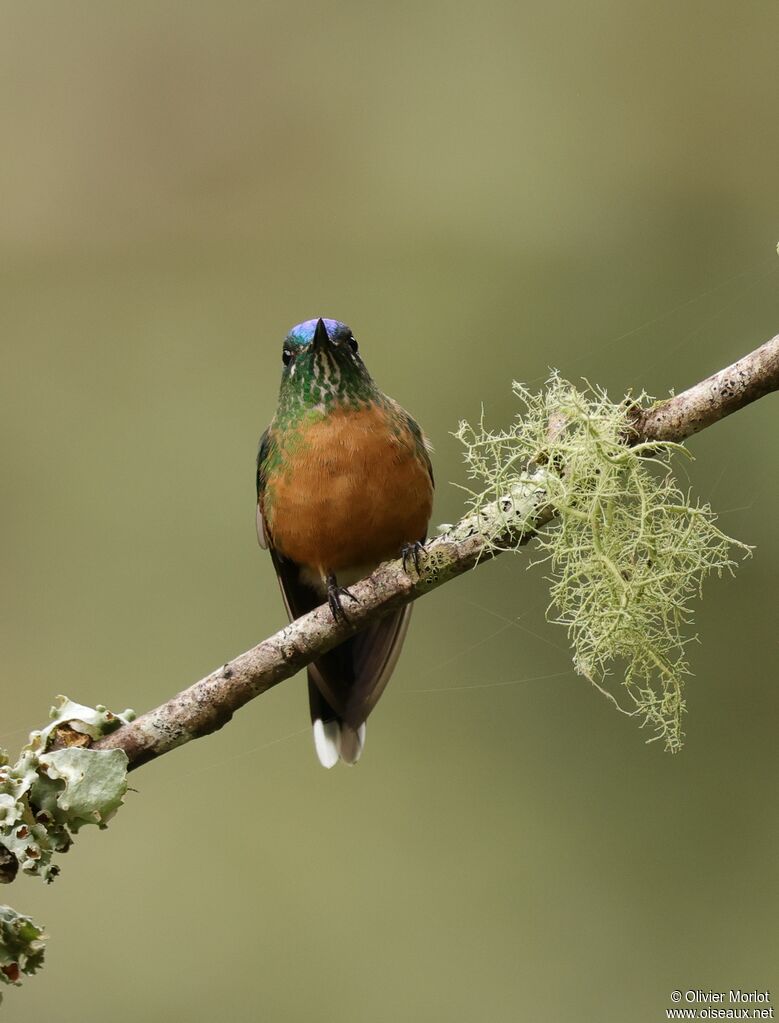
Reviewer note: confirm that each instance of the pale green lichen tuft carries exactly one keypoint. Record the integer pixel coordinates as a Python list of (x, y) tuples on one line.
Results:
[(627, 551)]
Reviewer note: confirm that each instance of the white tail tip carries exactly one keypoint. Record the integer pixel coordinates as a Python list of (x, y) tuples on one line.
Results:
[(326, 742), (335, 741)]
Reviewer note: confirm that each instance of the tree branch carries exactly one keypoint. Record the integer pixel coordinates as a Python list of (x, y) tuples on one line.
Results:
[(210, 703), (712, 399)]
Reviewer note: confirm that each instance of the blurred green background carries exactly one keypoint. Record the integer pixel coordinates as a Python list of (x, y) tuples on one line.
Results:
[(481, 191)]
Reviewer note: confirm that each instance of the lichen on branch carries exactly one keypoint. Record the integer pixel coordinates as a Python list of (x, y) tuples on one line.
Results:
[(57, 785), (628, 549)]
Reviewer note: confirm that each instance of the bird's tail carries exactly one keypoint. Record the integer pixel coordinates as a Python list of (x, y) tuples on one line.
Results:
[(345, 683), (335, 740)]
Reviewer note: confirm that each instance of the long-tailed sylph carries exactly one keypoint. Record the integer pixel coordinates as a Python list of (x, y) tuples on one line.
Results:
[(344, 482)]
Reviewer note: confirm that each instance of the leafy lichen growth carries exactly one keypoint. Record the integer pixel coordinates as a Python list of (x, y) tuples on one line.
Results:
[(55, 787), (627, 551), (49, 793)]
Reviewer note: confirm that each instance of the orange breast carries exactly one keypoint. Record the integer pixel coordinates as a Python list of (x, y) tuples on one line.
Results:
[(349, 492)]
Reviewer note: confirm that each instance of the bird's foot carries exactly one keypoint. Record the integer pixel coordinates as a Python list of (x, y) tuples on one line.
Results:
[(411, 552), (334, 594)]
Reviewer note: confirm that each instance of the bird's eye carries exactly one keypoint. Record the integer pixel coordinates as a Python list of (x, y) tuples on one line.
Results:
[(353, 344), (286, 356)]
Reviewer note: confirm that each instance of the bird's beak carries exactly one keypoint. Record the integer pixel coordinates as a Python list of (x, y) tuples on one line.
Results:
[(321, 337)]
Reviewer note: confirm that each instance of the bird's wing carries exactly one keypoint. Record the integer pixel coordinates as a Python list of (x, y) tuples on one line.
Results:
[(374, 654), (424, 447), (262, 454)]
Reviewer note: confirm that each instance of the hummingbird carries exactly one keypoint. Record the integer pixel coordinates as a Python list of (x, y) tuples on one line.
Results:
[(344, 482)]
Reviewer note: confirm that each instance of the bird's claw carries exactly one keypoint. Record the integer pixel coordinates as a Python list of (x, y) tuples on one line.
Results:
[(334, 594), (412, 551)]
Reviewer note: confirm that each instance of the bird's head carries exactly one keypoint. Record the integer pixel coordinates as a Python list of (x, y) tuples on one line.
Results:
[(322, 366)]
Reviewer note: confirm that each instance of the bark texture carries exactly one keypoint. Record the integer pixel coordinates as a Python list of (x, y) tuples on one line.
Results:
[(717, 396)]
